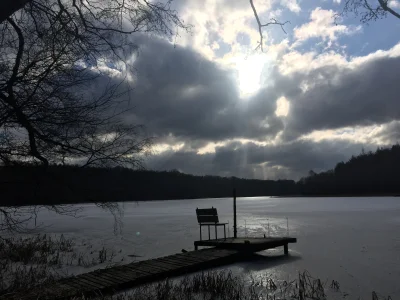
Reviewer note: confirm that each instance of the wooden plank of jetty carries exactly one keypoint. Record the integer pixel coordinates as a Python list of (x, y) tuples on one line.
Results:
[(113, 279), (117, 278)]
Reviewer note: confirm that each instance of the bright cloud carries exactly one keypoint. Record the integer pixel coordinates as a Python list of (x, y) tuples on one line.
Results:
[(292, 5), (282, 107), (221, 21), (322, 25), (358, 134), (394, 4), (217, 106)]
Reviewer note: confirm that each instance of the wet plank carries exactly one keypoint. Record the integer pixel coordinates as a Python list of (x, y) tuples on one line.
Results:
[(90, 282), (198, 259), (176, 263), (165, 265), (118, 278), (94, 278)]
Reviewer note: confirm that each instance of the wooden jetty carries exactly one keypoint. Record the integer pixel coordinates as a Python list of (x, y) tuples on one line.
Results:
[(117, 278), (247, 244)]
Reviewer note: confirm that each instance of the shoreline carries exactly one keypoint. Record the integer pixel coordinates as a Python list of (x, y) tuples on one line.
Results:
[(338, 196), (182, 199)]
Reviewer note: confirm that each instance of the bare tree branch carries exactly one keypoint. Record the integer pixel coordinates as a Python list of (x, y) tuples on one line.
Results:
[(57, 105), (388, 9), (8, 7), (367, 10), (260, 26)]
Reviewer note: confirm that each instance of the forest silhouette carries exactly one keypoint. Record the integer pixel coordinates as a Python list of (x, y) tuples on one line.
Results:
[(369, 173)]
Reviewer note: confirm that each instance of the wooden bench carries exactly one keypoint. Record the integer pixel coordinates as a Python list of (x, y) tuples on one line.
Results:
[(209, 217)]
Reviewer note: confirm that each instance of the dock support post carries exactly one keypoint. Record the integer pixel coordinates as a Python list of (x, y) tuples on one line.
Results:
[(225, 232), (234, 215), (286, 249)]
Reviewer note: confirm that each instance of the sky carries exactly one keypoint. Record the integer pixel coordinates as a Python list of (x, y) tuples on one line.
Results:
[(315, 95)]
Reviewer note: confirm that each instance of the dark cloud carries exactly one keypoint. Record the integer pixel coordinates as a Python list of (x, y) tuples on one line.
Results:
[(179, 92), (181, 97), (339, 97), (289, 160), (298, 157), (390, 133)]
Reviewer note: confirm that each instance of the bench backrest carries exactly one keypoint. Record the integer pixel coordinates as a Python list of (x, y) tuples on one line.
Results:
[(207, 215)]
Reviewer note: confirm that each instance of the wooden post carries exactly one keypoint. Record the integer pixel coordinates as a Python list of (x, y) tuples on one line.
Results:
[(286, 249), (287, 226), (234, 215)]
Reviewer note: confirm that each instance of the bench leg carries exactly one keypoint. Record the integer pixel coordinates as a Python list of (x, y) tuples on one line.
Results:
[(216, 234), (209, 237), (224, 232), (200, 233)]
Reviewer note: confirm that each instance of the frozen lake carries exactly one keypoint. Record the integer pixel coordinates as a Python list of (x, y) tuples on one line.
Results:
[(355, 241)]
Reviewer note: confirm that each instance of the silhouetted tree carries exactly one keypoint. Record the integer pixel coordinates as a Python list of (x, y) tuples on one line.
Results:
[(122, 184), (369, 10), (52, 52), (370, 173)]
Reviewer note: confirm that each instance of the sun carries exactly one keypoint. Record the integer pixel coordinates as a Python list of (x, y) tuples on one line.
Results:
[(249, 71)]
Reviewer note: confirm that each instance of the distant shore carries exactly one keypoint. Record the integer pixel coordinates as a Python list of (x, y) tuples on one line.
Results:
[(336, 196), (223, 197)]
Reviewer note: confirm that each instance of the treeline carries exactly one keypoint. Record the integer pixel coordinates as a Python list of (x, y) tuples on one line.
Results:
[(370, 173), (70, 184)]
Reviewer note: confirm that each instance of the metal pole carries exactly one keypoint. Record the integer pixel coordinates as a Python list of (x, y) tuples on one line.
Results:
[(287, 226), (234, 215)]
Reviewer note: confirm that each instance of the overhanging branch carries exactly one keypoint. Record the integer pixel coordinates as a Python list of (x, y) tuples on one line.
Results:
[(260, 26), (8, 7), (388, 9)]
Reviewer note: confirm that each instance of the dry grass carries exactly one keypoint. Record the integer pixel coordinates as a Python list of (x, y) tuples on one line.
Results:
[(224, 285), (26, 262), (40, 249), (34, 260)]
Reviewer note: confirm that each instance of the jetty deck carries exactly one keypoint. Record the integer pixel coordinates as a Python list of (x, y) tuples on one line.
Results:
[(114, 279), (117, 278), (247, 244)]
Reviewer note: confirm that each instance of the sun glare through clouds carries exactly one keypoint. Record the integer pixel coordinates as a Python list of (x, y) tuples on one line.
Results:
[(249, 74)]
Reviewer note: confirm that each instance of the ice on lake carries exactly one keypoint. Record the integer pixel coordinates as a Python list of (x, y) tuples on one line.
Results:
[(355, 241)]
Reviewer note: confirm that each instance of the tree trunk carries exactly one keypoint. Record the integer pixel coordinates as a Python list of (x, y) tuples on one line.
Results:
[(8, 7)]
